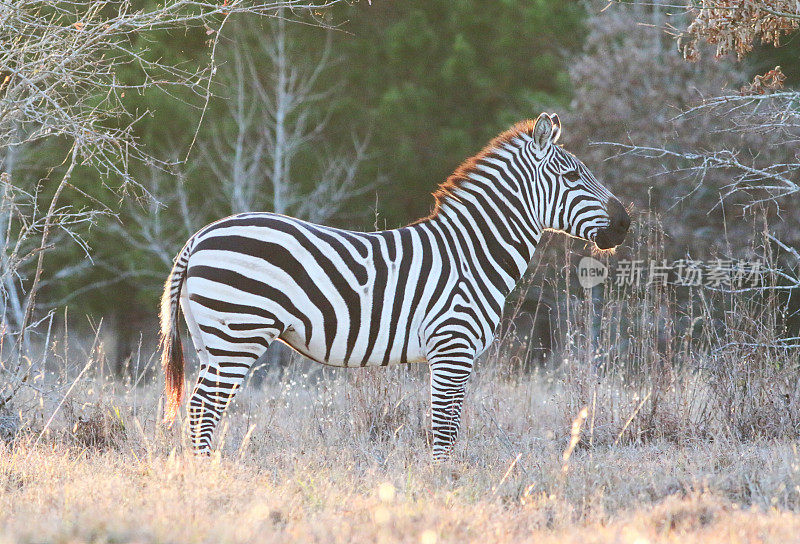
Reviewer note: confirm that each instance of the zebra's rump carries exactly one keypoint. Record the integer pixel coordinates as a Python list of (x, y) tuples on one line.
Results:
[(338, 297)]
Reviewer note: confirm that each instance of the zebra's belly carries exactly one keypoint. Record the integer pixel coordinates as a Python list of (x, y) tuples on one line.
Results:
[(358, 357)]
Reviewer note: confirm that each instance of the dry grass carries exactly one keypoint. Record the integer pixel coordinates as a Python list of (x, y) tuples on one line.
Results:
[(342, 457)]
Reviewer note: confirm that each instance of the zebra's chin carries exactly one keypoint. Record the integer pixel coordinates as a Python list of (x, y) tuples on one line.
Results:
[(609, 238)]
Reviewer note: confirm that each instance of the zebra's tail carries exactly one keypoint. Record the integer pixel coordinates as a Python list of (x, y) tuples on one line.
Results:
[(172, 350)]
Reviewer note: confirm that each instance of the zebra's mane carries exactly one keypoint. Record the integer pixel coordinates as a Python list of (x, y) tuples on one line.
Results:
[(461, 174)]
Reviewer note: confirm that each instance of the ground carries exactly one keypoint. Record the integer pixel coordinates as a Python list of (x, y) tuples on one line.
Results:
[(343, 457)]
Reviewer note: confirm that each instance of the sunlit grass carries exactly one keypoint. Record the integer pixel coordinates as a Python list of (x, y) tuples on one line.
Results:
[(322, 465)]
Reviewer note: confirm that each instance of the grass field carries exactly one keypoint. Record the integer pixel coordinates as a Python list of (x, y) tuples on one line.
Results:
[(661, 416), (342, 456)]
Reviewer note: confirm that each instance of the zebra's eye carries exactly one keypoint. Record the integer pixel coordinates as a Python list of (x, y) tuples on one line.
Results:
[(572, 176)]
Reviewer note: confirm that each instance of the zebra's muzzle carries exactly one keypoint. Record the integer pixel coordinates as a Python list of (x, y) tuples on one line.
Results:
[(611, 236)]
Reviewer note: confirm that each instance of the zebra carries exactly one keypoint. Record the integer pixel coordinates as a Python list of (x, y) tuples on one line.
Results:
[(432, 291)]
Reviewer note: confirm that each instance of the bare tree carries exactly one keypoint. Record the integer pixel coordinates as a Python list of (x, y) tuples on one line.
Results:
[(631, 84), (275, 110), (747, 153), (59, 62), (277, 113), (57, 58)]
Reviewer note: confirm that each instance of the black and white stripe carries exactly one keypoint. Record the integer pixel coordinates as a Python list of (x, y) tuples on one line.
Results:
[(432, 291)]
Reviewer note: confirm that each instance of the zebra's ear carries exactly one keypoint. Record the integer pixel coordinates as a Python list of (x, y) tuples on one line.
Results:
[(556, 127), (543, 130)]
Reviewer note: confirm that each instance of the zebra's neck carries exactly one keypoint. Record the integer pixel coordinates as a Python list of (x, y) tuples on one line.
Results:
[(495, 221)]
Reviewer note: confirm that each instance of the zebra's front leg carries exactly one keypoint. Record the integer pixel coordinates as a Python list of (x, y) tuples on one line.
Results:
[(448, 387)]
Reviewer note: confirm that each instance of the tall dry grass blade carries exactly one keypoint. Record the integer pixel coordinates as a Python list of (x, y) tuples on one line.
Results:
[(575, 437), (246, 441), (60, 404), (505, 476), (630, 418)]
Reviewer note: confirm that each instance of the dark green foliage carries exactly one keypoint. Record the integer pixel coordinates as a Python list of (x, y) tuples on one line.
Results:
[(440, 78)]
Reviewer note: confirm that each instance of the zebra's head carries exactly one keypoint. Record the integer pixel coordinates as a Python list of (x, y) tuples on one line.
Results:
[(576, 203)]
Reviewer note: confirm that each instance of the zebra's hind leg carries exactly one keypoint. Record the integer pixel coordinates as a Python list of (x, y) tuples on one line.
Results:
[(448, 386), (230, 357)]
